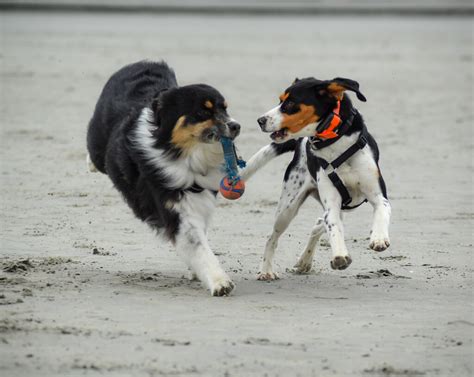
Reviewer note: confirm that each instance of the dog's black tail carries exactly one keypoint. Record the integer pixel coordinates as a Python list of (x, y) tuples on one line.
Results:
[(264, 155)]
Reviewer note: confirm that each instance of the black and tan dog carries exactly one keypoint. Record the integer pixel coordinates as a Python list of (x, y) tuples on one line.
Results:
[(159, 144), (335, 161)]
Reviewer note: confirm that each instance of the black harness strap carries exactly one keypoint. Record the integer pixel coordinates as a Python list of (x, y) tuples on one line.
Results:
[(345, 196), (348, 153)]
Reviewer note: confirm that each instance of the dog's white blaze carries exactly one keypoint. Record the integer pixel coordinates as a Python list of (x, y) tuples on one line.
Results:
[(203, 166), (274, 119)]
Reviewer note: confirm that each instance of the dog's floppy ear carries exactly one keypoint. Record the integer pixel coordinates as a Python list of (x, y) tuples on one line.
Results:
[(157, 104), (337, 86)]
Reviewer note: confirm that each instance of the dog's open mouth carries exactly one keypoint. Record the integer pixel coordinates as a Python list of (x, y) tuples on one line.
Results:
[(280, 134)]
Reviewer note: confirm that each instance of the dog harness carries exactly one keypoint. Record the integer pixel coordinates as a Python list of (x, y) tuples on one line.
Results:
[(328, 127)]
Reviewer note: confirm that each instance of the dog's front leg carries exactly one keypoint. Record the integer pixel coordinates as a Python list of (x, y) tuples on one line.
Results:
[(379, 239), (331, 200), (192, 245)]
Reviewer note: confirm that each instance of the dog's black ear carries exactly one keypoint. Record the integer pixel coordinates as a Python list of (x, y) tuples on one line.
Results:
[(296, 80), (338, 85), (157, 104)]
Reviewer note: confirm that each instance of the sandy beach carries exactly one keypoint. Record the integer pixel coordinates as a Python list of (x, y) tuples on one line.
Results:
[(88, 290)]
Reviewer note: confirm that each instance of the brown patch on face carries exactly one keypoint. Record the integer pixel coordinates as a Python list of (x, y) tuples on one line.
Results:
[(225, 104), (284, 96), (298, 121), (336, 90), (185, 136), (208, 104)]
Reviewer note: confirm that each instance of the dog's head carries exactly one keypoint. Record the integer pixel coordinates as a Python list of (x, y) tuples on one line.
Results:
[(303, 105), (192, 114)]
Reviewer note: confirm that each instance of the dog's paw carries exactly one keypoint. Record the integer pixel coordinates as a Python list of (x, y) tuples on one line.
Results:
[(379, 244), (303, 267), (341, 262), (267, 276), (222, 287)]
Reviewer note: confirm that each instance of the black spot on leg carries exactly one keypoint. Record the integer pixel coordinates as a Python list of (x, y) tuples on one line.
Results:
[(326, 217)]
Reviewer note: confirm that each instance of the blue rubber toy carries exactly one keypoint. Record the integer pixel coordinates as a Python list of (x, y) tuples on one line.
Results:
[(232, 186)]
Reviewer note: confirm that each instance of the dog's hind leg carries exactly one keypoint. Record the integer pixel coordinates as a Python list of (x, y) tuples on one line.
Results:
[(379, 239), (305, 262), (376, 193), (331, 200), (295, 191)]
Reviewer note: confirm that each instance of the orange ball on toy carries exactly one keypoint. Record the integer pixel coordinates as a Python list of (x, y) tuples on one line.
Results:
[(230, 191)]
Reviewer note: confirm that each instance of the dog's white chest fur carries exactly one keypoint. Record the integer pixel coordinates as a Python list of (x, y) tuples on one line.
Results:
[(204, 166)]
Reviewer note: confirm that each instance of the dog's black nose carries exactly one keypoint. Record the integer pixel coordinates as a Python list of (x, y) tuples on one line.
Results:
[(262, 121), (234, 127)]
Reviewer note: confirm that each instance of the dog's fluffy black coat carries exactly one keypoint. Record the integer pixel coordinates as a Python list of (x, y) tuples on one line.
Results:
[(152, 164), (110, 147)]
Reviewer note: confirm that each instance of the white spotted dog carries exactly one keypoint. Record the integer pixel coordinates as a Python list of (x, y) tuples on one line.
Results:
[(159, 144), (335, 161)]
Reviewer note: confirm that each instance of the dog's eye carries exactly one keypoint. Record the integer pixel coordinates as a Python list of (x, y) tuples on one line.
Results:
[(287, 106), (204, 114)]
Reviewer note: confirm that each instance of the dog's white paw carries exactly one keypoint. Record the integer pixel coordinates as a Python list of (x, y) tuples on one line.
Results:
[(303, 267), (341, 262), (267, 276), (222, 287), (379, 244)]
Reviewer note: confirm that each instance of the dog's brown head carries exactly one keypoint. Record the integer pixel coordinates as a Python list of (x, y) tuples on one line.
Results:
[(192, 114), (303, 105)]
